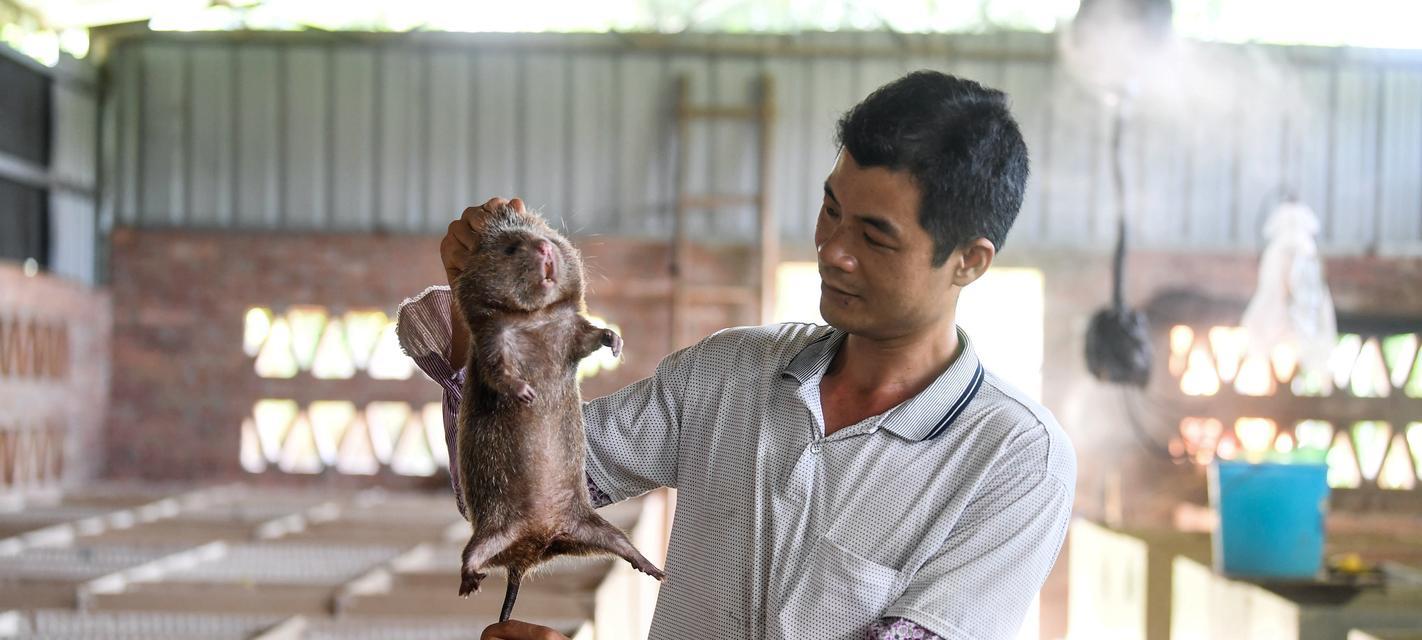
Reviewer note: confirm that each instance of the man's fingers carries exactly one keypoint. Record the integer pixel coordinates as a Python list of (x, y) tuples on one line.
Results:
[(463, 234), (473, 215)]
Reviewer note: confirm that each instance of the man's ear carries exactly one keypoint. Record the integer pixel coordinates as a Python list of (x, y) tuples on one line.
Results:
[(971, 260)]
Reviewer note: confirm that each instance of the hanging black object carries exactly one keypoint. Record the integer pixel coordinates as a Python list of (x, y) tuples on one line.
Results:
[(1118, 340)]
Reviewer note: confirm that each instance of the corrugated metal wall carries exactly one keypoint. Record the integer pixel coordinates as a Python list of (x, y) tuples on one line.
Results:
[(73, 159), (47, 153), (364, 133)]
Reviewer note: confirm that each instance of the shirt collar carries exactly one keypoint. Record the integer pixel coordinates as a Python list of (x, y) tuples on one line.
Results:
[(925, 416)]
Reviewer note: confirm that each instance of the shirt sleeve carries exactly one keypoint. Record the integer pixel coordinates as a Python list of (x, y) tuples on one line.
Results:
[(898, 629), (982, 581), (634, 435), (423, 330)]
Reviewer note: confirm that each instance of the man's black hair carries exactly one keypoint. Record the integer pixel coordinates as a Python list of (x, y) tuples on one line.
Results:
[(959, 143)]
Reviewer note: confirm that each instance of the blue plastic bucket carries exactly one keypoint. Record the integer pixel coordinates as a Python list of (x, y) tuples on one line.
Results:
[(1270, 519)]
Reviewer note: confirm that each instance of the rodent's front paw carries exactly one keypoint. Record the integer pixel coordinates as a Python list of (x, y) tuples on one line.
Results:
[(611, 339), (526, 394)]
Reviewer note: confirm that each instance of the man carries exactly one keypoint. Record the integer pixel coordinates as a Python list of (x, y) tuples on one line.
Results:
[(868, 479)]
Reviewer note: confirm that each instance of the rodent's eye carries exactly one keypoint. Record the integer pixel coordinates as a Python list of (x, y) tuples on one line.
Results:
[(511, 249)]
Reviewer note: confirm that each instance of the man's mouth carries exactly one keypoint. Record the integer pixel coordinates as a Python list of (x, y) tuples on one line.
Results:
[(830, 287)]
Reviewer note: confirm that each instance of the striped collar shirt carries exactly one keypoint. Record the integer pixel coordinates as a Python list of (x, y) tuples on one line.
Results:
[(945, 512)]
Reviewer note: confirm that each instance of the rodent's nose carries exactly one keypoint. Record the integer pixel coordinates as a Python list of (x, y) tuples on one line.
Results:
[(545, 249)]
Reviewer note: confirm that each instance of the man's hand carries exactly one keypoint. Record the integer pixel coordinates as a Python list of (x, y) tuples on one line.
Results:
[(515, 630), (461, 239), (459, 242)]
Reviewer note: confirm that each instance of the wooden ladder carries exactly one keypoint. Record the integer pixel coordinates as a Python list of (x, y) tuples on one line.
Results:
[(761, 292)]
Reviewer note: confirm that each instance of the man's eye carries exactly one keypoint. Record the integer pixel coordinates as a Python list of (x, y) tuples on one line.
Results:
[(874, 242), (831, 212)]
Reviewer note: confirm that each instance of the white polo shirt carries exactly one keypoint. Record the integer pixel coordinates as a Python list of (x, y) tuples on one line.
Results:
[(947, 510)]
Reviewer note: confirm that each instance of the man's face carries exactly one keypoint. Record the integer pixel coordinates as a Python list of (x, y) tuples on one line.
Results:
[(875, 259)]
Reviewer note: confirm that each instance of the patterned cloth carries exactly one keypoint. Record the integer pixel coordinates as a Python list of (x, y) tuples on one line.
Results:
[(780, 531), (898, 629)]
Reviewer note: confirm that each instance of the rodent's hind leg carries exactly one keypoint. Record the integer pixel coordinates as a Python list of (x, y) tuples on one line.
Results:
[(481, 547), (599, 534)]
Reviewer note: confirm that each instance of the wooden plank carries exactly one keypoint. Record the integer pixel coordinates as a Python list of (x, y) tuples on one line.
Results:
[(1400, 168), (595, 186), (353, 144), (645, 160), (693, 155), (257, 194), (213, 164), (544, 101), (734, 165), (497, 122), (398, 116), (164, 155), (1352, 224), (449, 116), (768, 226)]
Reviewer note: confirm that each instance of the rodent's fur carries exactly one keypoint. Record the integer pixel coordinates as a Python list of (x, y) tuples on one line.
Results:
[(520, 444)]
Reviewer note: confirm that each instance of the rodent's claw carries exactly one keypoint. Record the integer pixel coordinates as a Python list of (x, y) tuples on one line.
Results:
[(469, 582), (526, 394), (611, 339)]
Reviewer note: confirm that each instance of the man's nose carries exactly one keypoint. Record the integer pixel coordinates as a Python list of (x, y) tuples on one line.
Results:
[(832, 253)]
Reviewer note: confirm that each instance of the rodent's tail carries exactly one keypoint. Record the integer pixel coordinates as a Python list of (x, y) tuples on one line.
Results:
[(515, 576)]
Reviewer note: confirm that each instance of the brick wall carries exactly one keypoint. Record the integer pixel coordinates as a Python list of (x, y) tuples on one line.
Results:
[(184, 385)]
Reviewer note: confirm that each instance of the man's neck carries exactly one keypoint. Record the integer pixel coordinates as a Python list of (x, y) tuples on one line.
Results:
[(902, 365)]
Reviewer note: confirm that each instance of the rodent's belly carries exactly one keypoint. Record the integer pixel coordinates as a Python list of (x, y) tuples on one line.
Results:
[(545, 478)]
